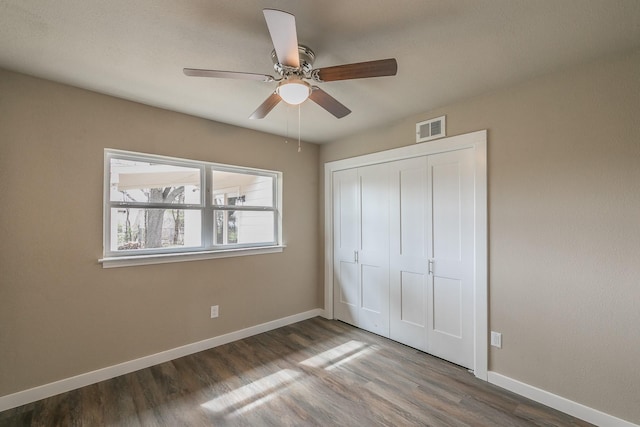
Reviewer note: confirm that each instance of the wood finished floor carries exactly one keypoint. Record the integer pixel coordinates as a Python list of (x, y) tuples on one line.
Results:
[(313, 373)]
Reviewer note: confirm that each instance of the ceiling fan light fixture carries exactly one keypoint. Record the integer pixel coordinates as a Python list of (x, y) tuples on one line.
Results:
[(294, 91)]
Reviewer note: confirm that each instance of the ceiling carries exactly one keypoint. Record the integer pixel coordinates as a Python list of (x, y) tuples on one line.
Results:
[(446, 50)]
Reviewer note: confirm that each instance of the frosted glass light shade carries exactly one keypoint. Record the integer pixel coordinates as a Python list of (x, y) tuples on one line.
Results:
[(294, 91)]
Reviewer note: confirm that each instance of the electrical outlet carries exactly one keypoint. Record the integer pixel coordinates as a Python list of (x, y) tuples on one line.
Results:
[(214, 311), (496, 339)]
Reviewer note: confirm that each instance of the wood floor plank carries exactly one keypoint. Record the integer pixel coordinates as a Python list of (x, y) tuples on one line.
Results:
[(91, 405), (312, 373)]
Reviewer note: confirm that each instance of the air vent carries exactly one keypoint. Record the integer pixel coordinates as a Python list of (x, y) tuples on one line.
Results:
[(431, 129)]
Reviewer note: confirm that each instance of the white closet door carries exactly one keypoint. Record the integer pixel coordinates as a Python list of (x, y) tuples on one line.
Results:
[(403, 252), (361, 247), (346, 242), (409, 252), (373, 255), (451, 236)]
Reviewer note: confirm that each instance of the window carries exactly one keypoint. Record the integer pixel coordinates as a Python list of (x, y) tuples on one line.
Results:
[(158, 206)]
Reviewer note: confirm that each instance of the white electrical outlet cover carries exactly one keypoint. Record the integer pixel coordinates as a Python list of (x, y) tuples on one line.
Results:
[(496, 339)]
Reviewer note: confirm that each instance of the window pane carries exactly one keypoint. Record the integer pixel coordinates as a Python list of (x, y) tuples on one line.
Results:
[(242, 189), (133, 228), (243, 227), (138, 181)]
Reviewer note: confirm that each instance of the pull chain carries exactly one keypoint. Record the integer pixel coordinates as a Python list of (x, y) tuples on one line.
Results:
[(286, 140), (299, 148)]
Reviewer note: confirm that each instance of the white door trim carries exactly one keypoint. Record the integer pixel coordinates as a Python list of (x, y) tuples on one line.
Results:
[(474, 140)]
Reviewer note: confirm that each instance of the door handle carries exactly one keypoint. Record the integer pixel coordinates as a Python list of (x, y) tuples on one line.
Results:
[(430, 265), (355, 256)]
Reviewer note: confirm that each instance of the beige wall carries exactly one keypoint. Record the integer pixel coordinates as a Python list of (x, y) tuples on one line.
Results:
[(61, 313), (564, 226)]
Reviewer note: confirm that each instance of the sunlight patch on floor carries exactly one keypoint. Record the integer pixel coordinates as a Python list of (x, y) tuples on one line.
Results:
[(339, 355), (252, 395), (259, 392)]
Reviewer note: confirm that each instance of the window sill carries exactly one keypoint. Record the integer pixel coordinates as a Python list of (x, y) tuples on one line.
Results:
[(128, 261)]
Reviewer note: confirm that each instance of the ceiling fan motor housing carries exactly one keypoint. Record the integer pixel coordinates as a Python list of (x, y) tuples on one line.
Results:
[(307, 57)]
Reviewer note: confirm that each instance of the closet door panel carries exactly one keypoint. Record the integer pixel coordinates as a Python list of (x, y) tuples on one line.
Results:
[(348, 276), (408, 252), (447, 303), (446, 208), (412, 299), (346, 238), (451, 237), (373, 283), (373, 254)]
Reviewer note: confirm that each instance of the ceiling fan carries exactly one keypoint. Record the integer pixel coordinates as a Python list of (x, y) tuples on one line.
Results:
[(294, 65)]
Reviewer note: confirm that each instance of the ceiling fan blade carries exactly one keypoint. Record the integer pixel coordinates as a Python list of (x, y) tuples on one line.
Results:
[(328, 102), (194, 72), (360, 70), (268, 105), (282, 27)]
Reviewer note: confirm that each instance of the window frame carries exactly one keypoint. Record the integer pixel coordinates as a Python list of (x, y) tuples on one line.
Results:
[(207, 248)]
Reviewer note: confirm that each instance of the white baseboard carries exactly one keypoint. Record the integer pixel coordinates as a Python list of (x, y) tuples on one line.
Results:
[(47, 390), (562, 404)]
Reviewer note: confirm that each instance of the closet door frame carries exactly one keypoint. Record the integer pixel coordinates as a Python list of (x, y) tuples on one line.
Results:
[(477, 141)]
